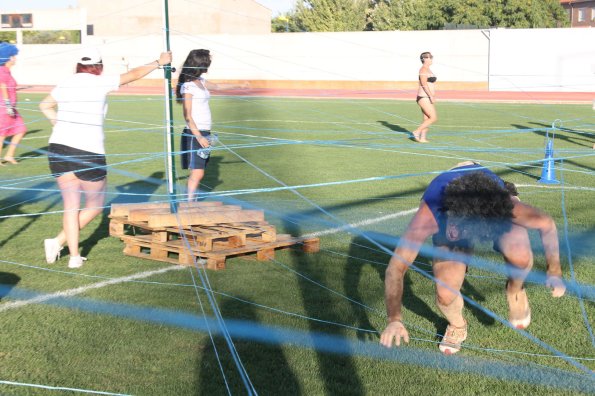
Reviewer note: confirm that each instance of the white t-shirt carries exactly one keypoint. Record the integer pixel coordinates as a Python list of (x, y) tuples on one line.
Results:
[(201, 112), (81, 110)]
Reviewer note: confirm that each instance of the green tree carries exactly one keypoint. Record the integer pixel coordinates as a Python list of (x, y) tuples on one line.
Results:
[(394, 14), (51, 37), (357, 15), (527, 14), (8, 36), (281, 24), (438, 14), (330, 15)]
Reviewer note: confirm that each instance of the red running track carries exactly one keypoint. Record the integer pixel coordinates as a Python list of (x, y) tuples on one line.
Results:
[(450, 95)]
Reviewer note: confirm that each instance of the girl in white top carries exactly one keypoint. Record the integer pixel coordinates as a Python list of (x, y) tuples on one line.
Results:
[(193, 94), (425, 98), (76, 108), (192, 91)]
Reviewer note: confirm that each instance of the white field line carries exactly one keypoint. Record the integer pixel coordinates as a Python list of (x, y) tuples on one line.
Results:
[(83, 289), (556, 187), (348, 227)]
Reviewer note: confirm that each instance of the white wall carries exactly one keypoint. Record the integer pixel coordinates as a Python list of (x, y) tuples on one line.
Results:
[(557, 60), (525, 60)]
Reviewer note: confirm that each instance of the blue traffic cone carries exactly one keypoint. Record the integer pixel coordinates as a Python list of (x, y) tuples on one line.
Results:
[(548, 172)]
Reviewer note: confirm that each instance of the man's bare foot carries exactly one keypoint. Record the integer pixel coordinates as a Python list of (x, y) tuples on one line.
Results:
[(519, 312)]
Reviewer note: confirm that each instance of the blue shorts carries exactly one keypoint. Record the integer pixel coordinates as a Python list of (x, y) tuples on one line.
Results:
[(190, 147)]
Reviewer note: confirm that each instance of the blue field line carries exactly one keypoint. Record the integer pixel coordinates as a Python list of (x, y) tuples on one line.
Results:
[(328, 343), (221, 324), (297, 315), (431, 277), (571, 265)]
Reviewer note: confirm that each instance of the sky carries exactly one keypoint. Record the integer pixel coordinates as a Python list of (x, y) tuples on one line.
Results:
[(277, 6)]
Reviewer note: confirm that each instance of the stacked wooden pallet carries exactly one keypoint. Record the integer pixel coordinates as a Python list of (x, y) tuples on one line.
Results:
[(198, 230)]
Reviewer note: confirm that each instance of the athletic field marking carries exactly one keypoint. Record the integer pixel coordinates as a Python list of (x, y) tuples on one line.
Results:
[(556, 187), (83, 289), (348, 227)]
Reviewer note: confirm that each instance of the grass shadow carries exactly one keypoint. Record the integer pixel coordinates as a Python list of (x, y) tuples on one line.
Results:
[(396, 128), (568, 135), (15, 203), (134, 192), (316, 301), (361, 253), (265, 364), (8, 280), (470, 291)]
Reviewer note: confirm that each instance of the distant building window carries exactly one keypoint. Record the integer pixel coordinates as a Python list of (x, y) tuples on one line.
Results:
[(89, 30), (581, 14), (17, 21)]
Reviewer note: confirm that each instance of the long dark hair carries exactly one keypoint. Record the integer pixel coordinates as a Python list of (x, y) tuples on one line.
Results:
[(197, 63)]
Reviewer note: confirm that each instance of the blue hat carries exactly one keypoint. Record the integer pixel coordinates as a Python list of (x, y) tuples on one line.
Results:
[(6, 51)]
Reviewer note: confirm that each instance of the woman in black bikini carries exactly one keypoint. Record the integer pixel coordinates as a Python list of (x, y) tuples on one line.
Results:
[(425, 97)]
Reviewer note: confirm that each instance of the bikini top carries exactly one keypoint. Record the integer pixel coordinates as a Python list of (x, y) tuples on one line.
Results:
[(432, 79)]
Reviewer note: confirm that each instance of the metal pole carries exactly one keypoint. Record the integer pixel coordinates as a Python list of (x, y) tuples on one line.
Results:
[(169, 132), (487, 34)]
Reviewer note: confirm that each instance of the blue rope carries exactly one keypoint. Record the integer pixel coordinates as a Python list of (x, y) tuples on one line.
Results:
[(571, 265)]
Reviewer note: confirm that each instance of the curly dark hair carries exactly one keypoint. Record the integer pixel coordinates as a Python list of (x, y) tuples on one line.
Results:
[(478, 205), (197, 62)]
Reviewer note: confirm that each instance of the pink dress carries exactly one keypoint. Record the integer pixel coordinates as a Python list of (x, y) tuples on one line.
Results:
[(10, 126)]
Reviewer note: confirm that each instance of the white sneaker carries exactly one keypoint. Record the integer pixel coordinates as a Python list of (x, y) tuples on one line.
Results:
[(76, 261), (52, 250)]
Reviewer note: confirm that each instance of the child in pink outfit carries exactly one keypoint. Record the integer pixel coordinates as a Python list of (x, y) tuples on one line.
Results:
[(11, 123)]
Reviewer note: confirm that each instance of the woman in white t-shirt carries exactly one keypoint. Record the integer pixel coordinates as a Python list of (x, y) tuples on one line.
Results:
[(193, 94), (76, 108)]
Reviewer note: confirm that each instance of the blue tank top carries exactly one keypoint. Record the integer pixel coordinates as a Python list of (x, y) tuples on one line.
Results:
[(434, 194)]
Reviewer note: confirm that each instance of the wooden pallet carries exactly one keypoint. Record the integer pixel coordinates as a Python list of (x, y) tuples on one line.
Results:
[(199, 230), (206, 237), (184, 253)]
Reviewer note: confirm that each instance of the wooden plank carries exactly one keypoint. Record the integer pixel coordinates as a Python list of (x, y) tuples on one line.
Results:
[(143, 214), (311, 245), (265, 254), (232, 235), (143, 248), (123, 209), (178, 252), (222, 249), (204, 237), (116, 228), (171, 220)]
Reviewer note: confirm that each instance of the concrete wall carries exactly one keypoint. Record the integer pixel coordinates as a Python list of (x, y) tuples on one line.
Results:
[(558, 60), (140, 17), (517, 60)]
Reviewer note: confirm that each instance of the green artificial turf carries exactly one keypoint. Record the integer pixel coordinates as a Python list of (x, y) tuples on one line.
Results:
[(313, 165)]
